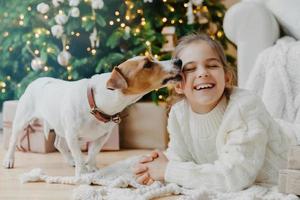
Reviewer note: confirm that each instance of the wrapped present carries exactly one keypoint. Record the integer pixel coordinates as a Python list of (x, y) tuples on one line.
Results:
[(112, 143), (145, 126), (32, 137), (294, 157), (289, 181)]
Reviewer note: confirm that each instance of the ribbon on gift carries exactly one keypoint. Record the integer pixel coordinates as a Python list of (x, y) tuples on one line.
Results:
[(32, 128)]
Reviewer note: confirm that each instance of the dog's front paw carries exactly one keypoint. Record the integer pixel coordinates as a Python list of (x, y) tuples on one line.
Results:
[(92, 168), (8, 162), (79, 170)]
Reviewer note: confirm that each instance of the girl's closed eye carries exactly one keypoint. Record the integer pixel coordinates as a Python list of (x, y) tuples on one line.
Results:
[(189, 68)]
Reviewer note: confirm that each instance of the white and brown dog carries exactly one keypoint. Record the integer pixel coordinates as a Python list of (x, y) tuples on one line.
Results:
[(88, 108)]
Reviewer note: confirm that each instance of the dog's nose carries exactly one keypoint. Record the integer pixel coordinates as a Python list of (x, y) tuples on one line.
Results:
[(178, 63)]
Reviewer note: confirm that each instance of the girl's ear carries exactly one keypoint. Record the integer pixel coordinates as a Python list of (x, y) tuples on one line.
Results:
[(229, 79), (179, 88)]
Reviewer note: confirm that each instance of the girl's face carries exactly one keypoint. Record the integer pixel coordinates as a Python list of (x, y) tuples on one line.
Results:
[(204, 76)]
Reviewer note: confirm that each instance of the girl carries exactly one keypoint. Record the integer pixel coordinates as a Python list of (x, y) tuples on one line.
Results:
[(221, 137)]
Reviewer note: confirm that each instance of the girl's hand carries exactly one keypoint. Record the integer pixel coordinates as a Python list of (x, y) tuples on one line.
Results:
[(156, 169), (140, 170)]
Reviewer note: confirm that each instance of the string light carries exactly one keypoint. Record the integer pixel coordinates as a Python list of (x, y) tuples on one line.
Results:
[(139, 11), (219, 34), (44, 43), (18, 85), (160, 96), (180, 21), (118, 19), (10, 49), (84, 18), (45, 16), (204, 9), (111, 22), (148, 43), (69, 68), (88, 49), (137, 30), (5, 34), (8, 78), (46, 68), (70, 77), (172, 21), (117, 13), (22, 16), (29, 8), (28, 42), (2, 84), (36, 52), (164, 19), (127, 17), (67, 47), (3, 90), (123, 25), (93, 51), (77, 34), (49, 50), (72, 33)]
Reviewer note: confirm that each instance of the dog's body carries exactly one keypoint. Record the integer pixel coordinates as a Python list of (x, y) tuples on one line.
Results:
[(64, 107)]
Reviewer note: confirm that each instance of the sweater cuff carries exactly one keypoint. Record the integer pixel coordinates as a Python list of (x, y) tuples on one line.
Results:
[(173, 173)]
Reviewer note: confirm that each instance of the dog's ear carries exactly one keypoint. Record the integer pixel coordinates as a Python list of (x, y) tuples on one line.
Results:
[(116, 81)]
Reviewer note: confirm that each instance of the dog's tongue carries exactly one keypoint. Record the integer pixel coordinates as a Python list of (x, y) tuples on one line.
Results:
[(175, 78)]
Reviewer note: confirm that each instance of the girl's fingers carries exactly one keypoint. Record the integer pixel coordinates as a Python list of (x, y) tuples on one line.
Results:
[(141, 179), (139, 169), (154, 154), (150, 181), (146, 159)]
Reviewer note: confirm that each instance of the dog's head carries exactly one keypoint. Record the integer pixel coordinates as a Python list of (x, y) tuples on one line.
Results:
[(143, 74)]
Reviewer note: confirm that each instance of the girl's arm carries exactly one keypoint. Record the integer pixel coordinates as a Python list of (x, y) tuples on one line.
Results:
[(240, 160)]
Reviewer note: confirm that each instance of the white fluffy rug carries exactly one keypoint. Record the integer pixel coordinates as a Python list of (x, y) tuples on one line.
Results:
[(118, 183)]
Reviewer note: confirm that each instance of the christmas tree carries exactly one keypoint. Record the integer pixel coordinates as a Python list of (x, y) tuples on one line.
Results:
[(74, 39)]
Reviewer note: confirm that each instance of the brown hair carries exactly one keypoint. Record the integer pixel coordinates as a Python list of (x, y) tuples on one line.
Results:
[(216, 47)]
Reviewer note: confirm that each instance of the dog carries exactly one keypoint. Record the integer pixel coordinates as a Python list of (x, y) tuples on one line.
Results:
[(87, 108)]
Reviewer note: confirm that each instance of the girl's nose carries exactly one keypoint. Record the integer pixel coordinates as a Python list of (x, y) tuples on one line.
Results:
[(202, 72)]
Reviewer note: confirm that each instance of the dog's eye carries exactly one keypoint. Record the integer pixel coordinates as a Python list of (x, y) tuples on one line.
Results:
[(148, 64)]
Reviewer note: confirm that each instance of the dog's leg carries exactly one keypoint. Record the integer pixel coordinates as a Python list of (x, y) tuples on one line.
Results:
[(74, 146), (62, 146), (94, 149), (9, 158)]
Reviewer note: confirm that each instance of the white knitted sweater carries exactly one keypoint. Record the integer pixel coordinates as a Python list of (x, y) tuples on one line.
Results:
[(227, 149)]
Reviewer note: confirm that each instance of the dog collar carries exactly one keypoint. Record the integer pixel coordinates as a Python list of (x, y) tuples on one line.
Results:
[(97, 112)]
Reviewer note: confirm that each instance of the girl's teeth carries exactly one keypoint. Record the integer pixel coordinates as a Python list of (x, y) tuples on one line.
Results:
[(199, 87)]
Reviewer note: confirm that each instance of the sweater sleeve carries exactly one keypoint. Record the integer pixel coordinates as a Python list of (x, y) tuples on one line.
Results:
[(238, 164), (176, 150)]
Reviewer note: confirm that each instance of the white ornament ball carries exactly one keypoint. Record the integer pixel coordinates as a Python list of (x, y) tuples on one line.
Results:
[(63, 58), (61, 18), (97, 4), (37, 64), (75, 12), (57, 31), (57, 2), (74, 2), (42, 8)]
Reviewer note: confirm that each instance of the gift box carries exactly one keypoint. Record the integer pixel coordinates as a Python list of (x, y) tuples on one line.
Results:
[(112, 143), (289, 181), (294, 157), (32, 137), (144, 126)]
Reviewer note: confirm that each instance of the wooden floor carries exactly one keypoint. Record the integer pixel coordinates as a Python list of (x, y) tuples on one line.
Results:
[(52, 164)]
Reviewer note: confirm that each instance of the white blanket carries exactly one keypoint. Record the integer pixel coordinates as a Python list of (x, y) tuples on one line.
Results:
[(118, 183), (276, 78)]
